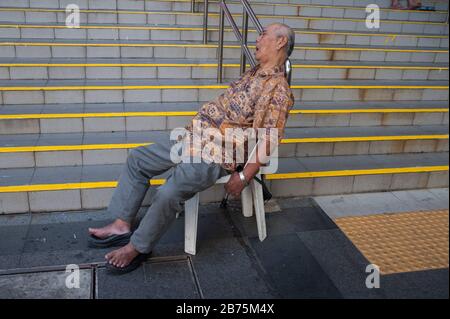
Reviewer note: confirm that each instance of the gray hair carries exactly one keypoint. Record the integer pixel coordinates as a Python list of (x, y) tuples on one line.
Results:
[(284, 30)]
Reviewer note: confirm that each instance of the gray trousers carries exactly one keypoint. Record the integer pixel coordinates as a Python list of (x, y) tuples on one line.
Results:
[(185, 181)]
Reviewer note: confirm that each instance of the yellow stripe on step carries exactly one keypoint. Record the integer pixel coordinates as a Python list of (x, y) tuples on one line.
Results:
[(53, 148), (213, 46), (419, 169), (66, 186), (118, 27), (201, 86), (344, 111), (363, 138), (193, 113), (112, 184), (213, 65)]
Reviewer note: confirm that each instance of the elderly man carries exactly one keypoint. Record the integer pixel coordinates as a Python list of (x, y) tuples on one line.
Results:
[(261, 98)]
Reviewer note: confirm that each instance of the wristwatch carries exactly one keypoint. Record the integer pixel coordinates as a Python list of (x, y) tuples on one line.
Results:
[(243, 179)]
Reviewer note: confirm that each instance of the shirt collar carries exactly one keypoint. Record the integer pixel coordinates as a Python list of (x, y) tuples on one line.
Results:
[(269, 71)]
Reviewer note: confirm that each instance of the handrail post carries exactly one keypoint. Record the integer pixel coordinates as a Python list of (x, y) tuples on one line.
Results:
[(192, 6), (205, 22), (244, 39), (220, 47)]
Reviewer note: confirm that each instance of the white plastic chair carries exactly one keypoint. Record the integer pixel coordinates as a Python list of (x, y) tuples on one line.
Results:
[(251, 196)]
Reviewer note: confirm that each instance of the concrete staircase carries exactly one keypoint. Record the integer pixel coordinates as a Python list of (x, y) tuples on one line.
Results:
[(371, 109)]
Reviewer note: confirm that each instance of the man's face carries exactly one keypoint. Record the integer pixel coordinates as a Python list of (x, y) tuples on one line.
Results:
[(266, 44)]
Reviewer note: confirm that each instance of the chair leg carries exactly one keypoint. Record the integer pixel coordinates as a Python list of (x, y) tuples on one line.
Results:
[(190, 226), (247, 202), (258, 201)]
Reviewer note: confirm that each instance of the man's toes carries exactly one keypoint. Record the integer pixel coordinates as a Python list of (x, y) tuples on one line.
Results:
[(113, 261)]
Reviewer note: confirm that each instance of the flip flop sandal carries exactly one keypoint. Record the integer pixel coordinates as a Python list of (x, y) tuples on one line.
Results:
[(135, 263), (110, 241)]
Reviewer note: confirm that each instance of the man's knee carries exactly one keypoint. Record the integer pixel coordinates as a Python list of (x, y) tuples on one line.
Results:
[(134, 155), (170, 196)]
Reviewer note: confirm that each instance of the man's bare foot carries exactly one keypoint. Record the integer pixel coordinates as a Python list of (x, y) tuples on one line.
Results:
[(122, 257), (118, 227)]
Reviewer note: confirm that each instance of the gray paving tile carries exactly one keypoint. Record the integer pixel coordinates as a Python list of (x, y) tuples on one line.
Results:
[(48, 175), (361, 204), (422, 159), (442, 195), (9, 262), (60, 139), (152, 280), (420, 200), (341, 261), (60, 236), (19, 140), (71, 217), (293, 270), (428, 284), (14, 220), (286, 165), (322, 163), (104, 138), (159, 275), (296, 202), (10, 177), (92, 173), (211, 225), (363, 131), (12, 239), (44, 285), (225, 270), (62, 108), (288, 221)]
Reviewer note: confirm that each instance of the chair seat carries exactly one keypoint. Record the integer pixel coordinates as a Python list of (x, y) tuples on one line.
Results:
[(223, 179)]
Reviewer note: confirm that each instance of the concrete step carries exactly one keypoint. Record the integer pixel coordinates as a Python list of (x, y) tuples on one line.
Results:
[(77, 149), (62, 69), (89, 187), (132, 117), (116, 91), (325, 8), (320, 8), (33, 48), (53, 16), (189, 33)]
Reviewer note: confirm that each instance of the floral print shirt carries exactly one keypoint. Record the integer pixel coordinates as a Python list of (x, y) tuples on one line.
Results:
[(259, 99)]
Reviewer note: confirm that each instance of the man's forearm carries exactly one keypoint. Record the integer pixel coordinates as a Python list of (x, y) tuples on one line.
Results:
[(251, 170)]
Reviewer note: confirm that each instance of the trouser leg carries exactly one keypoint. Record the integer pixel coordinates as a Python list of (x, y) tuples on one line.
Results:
[(186, 180), (142, 164)]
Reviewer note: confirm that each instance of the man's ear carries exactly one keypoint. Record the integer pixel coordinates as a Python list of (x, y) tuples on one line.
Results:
[(281, 42)]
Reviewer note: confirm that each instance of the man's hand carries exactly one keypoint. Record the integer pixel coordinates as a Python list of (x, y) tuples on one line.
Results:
[(234, 186)]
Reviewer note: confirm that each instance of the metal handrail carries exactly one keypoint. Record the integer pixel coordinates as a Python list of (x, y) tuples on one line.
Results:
[(242, 38)]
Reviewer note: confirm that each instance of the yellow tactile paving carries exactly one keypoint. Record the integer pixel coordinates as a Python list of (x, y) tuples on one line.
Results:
[(401, 242)]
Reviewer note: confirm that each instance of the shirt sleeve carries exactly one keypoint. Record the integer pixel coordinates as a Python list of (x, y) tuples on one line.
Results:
[(273, 115)]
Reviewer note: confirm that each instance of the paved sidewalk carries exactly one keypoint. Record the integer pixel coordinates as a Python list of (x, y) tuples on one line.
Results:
[(304, 256)]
